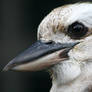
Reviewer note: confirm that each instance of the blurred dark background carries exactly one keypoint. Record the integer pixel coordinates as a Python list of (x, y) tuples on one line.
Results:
[(19, 20)]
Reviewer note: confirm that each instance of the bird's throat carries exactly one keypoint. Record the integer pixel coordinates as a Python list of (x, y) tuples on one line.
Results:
[(66, 79)]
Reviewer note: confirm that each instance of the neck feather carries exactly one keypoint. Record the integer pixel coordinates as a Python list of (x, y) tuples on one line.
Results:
[(72, 77)]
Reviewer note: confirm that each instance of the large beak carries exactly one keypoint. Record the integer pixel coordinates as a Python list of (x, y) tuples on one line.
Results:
[(40, 55)]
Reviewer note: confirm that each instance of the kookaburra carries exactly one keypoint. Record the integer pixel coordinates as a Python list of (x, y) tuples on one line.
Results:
[(64, 47)]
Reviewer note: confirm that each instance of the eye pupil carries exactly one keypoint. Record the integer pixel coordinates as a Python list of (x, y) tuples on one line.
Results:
[(77, 30)]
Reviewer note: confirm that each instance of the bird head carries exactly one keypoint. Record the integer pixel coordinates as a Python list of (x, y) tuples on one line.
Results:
[(64, 43)]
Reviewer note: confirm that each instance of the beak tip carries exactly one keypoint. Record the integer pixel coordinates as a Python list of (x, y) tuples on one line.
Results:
[(9, 66), (6, 68)]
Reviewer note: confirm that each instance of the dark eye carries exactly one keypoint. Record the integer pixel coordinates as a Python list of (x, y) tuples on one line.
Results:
[(77, 30)]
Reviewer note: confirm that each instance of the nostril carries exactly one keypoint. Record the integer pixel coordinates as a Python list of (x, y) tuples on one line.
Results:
[(49, 42)]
